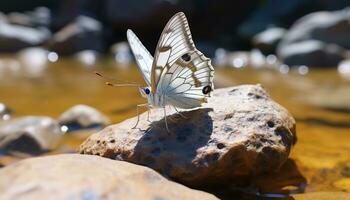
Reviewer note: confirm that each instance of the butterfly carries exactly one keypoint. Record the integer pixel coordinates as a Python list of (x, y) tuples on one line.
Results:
[(179, 75)]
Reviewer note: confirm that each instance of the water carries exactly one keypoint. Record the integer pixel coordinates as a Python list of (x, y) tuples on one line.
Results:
[(319, 101)]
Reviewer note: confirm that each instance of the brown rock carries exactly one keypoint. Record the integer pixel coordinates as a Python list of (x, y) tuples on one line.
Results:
[(74, 176), (241, 132)]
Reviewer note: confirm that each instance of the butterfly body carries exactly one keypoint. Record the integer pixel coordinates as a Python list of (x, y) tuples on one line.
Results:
[(179, 75)]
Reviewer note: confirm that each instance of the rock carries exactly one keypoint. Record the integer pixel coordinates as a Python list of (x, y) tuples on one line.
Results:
[(15, 37), (220, 143), (121, 53), (288, 12), (328, 27), (40, 16), (33, 61), (87, 57), (317, 39), (322, 196), (29, 134), (82, 116), (5, 112), (84, 33), (311, 53), (74, 176), (344, 69), (268, 39)]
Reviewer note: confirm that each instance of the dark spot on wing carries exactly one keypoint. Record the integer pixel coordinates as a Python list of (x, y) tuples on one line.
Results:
[(186, 57), (206, 89)]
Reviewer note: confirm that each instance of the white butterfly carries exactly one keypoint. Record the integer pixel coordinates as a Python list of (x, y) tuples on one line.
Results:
[(179, 75)]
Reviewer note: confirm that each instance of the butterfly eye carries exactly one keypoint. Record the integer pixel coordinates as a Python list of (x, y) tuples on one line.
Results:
[(147, 91), (186, 57), (206, 89)]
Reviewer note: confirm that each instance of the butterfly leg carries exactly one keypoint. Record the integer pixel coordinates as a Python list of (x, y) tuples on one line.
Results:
[(180, 113), (148, 112), (138, 114), (166, 122)]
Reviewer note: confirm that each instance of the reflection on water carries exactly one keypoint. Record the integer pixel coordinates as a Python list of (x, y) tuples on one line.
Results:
[(319, 160)]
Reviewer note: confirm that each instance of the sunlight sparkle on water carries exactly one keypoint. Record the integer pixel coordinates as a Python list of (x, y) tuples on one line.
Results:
[(52, 56)]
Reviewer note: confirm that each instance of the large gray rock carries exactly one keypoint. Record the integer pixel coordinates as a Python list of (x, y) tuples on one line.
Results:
[(241, 132), (84, 33), (88, 177), (312, 53), (29, 134)]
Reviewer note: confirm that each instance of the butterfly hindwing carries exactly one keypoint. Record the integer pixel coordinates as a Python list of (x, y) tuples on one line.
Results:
[(143, 57), (188, 81)]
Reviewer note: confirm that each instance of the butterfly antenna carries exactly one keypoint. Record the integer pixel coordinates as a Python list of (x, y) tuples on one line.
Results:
[(125, 84)]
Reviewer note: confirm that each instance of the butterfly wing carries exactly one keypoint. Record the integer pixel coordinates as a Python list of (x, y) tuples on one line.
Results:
[(174, 41), (143, 57), (180, 72), (187, 84)]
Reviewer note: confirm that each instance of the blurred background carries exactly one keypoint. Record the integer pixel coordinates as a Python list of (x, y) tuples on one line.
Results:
[(298, 50)]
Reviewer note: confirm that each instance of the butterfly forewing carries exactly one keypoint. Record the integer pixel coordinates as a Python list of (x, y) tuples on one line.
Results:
[(175, 41), (181, 73), (143, 57)]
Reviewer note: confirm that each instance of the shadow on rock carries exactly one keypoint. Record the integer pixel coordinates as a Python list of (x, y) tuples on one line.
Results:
[(286, 181), (166, 152)]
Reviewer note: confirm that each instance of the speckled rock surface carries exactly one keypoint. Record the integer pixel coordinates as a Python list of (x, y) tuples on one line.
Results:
[(74, 176), (241, 132), (29, 134)]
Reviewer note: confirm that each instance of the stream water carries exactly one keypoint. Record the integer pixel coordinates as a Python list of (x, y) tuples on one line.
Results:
[(319, 100)]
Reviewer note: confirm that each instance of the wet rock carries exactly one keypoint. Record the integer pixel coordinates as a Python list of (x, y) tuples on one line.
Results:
[(82, 116), (322, 196), (15, 37), (74, 176), (5, 112), (268, 39), (29, 134), (241, 132), (311, 53), (84, 33)]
